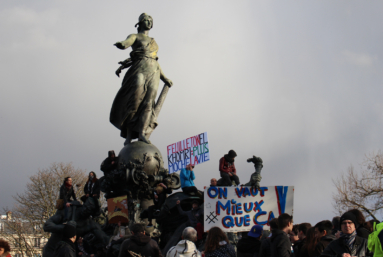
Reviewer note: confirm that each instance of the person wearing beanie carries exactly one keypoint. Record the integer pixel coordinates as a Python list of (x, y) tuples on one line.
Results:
[(250, 244), (349, 244), (66, 247), (227, 168)]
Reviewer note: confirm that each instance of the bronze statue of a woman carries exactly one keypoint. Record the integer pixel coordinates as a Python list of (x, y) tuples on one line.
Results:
[(133, 108)]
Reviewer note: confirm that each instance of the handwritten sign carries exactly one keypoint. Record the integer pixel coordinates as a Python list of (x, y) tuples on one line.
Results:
[(236, 209), (193, 150)]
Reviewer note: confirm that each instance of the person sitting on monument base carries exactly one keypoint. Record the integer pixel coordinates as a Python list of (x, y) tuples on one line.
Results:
[(159, 197), (213, 182), (227, 169), (92, 187), (187, 176)]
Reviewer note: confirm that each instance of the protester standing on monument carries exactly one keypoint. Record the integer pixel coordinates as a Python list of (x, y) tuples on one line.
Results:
[(195, 216), (187, 184), (159, 197), (133, 108), (5, 249), (66, 247), (66, 193), (186, 247), (323, 231), (139, 244), (92, 187), (110, 163), (280, 241), (217, 244), (250, 245), (227, 168), (349, 244)]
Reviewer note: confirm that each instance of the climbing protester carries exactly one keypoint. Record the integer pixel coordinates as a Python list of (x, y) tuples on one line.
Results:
[(227, 168), (187, 176), (186, 247), (110, 163), (249, 245), (217, 244), (349, 244), (159, 197), (66, 193)]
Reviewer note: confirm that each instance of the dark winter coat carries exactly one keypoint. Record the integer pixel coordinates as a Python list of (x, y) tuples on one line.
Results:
[(66, 194), (248, 247), (195, 216), (280, 244), (265, 250), (322, 244), (93, 188), (226, 167), (226, 250), (140, 244), (107, 166), (161, 198), (337, 247), (362, 232), (298, 245), (65, 248)]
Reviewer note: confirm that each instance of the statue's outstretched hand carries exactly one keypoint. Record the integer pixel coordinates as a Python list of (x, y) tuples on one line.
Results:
[(119, 45)]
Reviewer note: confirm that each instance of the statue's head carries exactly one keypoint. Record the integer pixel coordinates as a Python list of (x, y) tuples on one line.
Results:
[(145, 22)]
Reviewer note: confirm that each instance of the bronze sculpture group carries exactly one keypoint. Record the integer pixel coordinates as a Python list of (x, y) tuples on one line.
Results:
[(139, 166)]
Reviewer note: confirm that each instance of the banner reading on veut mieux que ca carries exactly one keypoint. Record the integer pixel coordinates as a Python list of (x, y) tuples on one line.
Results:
[(236, 209), (193, 150)]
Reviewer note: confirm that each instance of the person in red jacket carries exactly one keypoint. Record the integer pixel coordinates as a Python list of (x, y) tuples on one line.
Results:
[(227, 168)]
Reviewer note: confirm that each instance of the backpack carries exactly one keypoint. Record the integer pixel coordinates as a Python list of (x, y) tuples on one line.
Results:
[(374, 243)]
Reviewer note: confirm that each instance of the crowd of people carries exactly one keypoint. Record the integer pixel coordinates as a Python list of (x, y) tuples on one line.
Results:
[(344, 236)]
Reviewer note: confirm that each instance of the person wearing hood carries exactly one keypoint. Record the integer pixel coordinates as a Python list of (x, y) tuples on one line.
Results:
[(323, 231), (66, 247), (5, 249), (217, 244), (139, 244), (227, 168), (250, 245), (110, 163), (186, 247), (349, 244), (280, 241)]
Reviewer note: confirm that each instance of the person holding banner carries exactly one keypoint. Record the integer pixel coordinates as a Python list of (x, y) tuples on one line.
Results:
[(187, 176), (227, 168)]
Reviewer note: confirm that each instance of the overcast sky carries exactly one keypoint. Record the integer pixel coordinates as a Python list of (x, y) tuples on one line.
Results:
[(298, 83)]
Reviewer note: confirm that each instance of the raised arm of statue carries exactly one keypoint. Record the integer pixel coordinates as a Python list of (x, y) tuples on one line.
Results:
[(129, 41)]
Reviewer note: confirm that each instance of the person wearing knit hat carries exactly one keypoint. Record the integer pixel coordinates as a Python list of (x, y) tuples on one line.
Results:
[(66, 247), (349, 244), (227, 168)]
